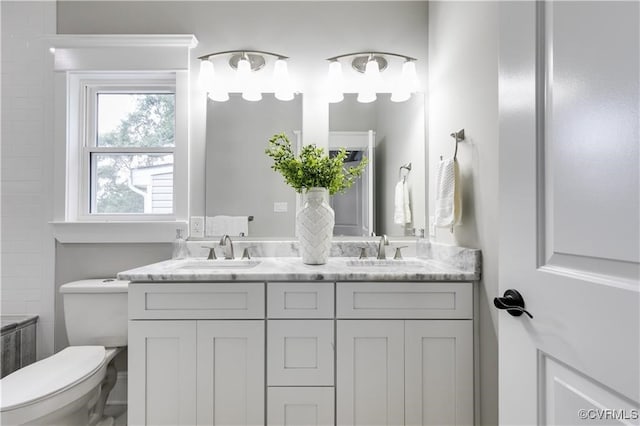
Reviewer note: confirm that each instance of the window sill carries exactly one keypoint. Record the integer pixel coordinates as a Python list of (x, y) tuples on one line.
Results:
[(118, 232)]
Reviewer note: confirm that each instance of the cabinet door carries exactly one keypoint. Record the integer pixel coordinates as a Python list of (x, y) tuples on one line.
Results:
[(370, 372), (300, 406), (162, 373), (439, 372), (230, 364)]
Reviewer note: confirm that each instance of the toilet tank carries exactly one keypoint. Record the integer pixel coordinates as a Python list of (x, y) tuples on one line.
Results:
[(95, 312)]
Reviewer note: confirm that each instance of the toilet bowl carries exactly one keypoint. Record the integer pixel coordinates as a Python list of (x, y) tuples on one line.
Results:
[(70, 387)]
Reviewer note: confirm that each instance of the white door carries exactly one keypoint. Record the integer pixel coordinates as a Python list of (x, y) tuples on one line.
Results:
[(370, 373), (354, 210), (230, 383), (162, 373), (569, 200)]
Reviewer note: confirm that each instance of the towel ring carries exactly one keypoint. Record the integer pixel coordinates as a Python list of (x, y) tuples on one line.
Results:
[(459, 137)]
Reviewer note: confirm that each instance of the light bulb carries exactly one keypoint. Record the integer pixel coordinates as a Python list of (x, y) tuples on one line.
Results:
[(206, 76), (281, 82), (335, 82)]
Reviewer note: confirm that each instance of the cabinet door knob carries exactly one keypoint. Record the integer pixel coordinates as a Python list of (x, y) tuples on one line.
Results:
[(513, 302)]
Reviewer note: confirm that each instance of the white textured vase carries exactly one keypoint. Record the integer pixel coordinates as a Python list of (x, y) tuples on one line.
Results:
[(314, 224)]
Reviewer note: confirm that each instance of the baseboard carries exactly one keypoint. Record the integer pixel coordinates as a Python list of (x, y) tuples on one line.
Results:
[(118, 395)]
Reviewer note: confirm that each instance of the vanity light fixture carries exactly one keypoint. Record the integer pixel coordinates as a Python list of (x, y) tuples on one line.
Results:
[(246, 63), (372, 64)]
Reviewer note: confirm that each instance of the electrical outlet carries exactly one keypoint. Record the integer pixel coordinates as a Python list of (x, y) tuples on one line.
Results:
[(280, 207), (196, 229)]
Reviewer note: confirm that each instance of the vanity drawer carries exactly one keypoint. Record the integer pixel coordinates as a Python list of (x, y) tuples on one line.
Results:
[(300, 300), (300, 352), (196, 300), (432, 300)]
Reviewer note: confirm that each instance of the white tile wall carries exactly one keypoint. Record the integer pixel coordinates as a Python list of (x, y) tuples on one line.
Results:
[(27, 245)]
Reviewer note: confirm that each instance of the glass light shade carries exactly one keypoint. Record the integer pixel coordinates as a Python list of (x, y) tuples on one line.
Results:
[(400, 94), (281, 81), (410, 76), (205, 78), (372, 75), (366, 96), (335, 82), (219, 95), (246, 81), (243, 72)]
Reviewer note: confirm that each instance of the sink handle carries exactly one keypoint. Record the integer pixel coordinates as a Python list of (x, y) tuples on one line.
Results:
[(246, 254), (363, 253), (398, 255), (212, 252)]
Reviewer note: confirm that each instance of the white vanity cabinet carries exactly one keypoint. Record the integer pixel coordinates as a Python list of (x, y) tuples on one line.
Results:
[(413, 368), (300, 354), (321, 353), (188, 364)]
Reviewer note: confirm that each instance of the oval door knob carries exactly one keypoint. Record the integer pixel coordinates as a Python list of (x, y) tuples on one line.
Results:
[(513, 302)]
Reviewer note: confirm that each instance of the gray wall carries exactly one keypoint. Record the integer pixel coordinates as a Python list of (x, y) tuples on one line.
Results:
[(239, 176), (463, 93), (83, 261)]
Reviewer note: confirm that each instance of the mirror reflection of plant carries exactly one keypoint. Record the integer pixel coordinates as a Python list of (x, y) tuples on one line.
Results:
[(312, 168)]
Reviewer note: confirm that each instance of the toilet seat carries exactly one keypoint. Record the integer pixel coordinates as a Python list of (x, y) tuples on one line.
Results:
[(54, 382)]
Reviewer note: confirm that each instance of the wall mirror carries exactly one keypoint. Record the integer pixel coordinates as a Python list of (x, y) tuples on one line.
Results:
[(398, 138), (240, 182)]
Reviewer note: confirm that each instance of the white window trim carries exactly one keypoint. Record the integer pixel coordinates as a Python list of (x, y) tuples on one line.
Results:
[(93, 56)]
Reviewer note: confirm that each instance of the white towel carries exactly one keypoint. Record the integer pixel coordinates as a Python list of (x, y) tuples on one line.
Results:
[(402, 208), (230, 225), (448, 194)]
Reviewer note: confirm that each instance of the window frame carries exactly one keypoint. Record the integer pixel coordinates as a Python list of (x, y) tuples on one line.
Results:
[(83, 91), (91, 91)]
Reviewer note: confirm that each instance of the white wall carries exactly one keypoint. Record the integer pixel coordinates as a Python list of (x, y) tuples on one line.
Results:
[(27, 244), (463, 93)]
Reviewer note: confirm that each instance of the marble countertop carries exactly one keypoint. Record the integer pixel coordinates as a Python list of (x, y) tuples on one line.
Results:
[(292, 269)]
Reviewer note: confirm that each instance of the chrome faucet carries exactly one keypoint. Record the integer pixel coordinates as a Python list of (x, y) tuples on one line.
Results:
[(384, 241), (229, 255)]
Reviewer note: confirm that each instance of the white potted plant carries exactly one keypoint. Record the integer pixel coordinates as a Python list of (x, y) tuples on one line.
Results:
[(316, 175)]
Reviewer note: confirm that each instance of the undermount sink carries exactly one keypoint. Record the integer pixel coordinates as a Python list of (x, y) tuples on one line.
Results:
[(384, 263), (219, 264)]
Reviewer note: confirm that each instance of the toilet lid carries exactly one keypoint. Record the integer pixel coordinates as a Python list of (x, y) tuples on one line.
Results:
[(50, 375)]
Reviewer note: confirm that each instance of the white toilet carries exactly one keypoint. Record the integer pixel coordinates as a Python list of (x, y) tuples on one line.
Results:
[(71, 387)]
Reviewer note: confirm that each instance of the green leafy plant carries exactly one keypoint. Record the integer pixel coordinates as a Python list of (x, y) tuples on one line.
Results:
[(312, 168)]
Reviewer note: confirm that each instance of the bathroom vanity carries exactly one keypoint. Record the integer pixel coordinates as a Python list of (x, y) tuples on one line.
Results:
[(273, 341)]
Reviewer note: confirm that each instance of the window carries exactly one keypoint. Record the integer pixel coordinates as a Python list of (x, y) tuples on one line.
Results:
[(120, 132), (129, 150), (126, 161)]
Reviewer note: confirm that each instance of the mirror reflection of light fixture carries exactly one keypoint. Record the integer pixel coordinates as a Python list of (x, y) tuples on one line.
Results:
[(246, 63), (372, 64)]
